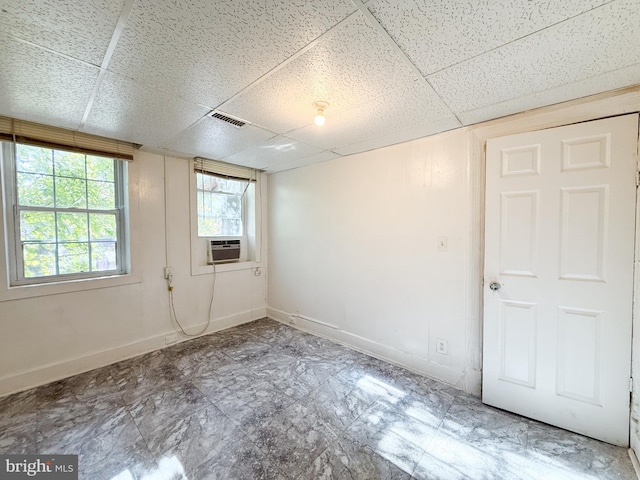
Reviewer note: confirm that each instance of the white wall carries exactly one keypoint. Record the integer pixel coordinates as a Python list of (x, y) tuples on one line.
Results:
[(48, 337), (330, 223), (353, 243)]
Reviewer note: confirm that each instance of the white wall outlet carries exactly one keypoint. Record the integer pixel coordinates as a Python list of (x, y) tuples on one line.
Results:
[(442, 346), (168, 272), (292, 319), (169, 339), (443, 244)]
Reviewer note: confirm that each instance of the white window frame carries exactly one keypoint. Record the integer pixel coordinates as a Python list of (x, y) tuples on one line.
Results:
[(12, 214)]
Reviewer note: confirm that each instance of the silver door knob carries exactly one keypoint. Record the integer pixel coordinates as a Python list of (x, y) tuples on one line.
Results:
[(495, 286)]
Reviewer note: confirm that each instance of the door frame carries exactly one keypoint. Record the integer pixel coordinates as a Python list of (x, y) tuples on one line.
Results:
[(614, 103)]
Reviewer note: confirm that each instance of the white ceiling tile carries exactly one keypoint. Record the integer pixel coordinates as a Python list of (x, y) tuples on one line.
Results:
[(208, 51), (437, 34), (350, 65), (76, 28), (126, 110), (412, 105), (437, 126), (601, 40), (600, 83), (178, 59), (276, 150), (43, 87), (215, 139), (302, 162)]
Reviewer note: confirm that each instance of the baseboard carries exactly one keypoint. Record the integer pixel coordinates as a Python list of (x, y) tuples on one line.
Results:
[(474, 382), (56, 371), (411, 362), (634, 461)]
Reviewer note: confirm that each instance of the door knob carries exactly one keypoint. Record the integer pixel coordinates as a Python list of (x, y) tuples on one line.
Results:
[(495, 286)]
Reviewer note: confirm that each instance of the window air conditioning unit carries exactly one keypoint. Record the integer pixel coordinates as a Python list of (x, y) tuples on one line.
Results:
[(221, 251)]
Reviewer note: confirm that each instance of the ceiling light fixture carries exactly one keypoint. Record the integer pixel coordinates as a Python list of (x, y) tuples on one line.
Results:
[(320, 119)]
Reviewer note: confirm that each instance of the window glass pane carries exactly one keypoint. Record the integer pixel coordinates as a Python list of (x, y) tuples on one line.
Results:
[(39, 259), (100, 168), (102, 195), (209, 227), (72, 227), (37, 227), (231, 227), (211, 205), (103, 226), (219, 204), (69, 164), (230, 206), (103, 256), (208, 183), (35, 190), (211, 183), (70, 193), (209, 218), (230, 186), (73, 257), (34, 159)]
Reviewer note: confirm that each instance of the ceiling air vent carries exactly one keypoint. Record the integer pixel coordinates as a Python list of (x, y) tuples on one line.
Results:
[(226, 118)]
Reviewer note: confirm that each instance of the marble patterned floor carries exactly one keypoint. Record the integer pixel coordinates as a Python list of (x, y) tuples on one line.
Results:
[(266, 401)]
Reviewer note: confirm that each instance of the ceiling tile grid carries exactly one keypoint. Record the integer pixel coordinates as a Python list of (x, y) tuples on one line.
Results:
[(349, 66), (43, 87), (274, 151), (208, 51), (609, 39), (77, 28), (129, 111), (267, 61), (216, 139), (436, 34), (405, 107)]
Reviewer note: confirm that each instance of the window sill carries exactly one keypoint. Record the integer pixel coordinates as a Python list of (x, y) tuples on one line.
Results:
[(224, 267), (70, 286)]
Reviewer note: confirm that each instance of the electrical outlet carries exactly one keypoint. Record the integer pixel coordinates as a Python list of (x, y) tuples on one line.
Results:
[(168, 272), (442, 346), (169, 339), (292, 319)]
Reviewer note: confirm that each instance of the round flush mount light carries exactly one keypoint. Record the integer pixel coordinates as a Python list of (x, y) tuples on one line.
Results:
[(320, 107)]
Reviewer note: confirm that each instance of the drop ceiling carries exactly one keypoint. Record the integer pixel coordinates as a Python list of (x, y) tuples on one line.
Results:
[(152, 71)]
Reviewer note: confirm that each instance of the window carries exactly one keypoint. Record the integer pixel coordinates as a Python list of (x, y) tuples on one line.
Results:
[(220, 205), (225, 203), (68, 214), (222, 190)]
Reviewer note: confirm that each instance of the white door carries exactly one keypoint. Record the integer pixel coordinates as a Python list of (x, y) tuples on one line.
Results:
[(559, 251)]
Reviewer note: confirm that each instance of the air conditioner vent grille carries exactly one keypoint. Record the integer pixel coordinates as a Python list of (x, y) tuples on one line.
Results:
[(226, 118), (222, 251)]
